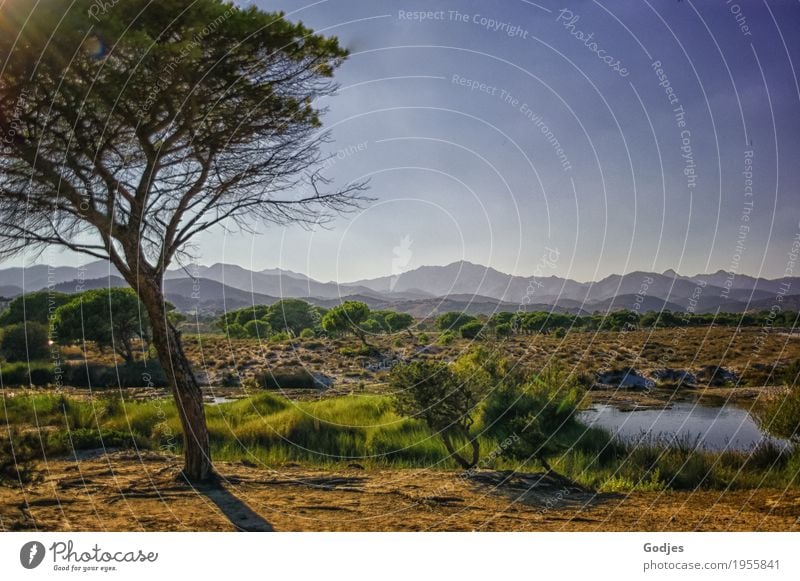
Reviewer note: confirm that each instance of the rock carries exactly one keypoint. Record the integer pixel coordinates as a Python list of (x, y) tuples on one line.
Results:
[(674, 376), (322, 380), (626, 378), (717, 376)]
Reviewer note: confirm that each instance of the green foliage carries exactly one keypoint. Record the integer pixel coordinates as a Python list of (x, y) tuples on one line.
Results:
[(444, 398), (503, 330), (288, 378), (289, 316), (780, 416), (533, 414), (397, 322), (471, 330), (36, 307), (307, 333), (453, 321), (446, 338), (347, 318), (97, 376), (111, 317), (25, 342), (292, 316), (257, 329), (429, 390), (24, 373)]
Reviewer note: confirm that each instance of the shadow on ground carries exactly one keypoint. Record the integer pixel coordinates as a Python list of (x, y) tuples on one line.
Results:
[(242, 517), (545, 490)]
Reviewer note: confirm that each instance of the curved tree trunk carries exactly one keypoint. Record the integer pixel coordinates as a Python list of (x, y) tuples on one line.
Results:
[(464, 463), (188, 397)]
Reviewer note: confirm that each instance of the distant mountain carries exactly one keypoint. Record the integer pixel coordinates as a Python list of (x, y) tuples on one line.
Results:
[(429, 290)]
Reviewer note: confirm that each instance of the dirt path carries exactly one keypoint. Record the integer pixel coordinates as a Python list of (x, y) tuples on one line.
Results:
[(125, 492)]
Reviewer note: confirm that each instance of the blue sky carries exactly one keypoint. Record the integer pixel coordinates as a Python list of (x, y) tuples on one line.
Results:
[(492, 132)]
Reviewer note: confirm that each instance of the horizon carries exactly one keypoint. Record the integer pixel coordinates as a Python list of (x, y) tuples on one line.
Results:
[(283, 271)]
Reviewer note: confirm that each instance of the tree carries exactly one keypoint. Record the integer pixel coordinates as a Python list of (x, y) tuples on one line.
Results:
[(471, 330), (532, 413), (292, 316), (453, 321), (24, 342), (36, 307), (257, 329), (111, 317), (127, 135), (429, 390), (347, 318), (397, 322)]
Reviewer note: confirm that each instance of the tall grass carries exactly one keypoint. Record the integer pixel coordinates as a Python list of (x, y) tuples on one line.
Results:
[(365, 429)]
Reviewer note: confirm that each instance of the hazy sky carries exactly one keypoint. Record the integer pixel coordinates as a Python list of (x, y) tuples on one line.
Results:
[(492, 131)]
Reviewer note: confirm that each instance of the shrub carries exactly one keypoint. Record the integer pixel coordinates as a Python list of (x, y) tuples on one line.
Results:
[(91, 438), (25, 342), (138, 374), (533, 414), (23, 373), (471, 330), (257, 329), (307, 333), (446, 338), (430, 391), (288, 378), (503, 330), (453, 321)]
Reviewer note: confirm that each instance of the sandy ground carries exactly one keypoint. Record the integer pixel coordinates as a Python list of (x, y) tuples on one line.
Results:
[(127, 492)]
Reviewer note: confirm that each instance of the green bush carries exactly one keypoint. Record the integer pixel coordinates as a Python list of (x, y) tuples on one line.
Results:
[(533, 415), (446, 338), (288, 378), (25, 342), (453, 321), (92, 438), (26, 374), (471, 330)]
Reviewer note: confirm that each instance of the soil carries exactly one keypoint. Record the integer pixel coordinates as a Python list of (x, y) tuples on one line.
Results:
[(122, 491)]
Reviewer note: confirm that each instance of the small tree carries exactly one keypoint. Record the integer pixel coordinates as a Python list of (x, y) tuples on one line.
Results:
[(399, 322), (430, 391), (24, 342), (291, 316), (453, 321), (110, 317), (471, 330), (257, 329), (532, 413), (347, 318)]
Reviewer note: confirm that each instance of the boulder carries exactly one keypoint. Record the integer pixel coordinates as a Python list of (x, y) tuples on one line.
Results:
[(626, 378), (717, 376), (674, 376)]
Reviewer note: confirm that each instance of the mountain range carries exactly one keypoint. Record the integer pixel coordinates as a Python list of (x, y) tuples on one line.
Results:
[(429, 290)]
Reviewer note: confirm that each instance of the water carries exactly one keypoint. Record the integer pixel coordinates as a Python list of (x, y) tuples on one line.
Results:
[(714, 428)]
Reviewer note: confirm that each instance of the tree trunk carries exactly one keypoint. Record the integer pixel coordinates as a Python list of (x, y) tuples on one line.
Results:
[(465, 464), (188, 397)]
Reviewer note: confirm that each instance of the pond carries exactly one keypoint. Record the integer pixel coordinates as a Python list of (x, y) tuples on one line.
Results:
[(713, 428)]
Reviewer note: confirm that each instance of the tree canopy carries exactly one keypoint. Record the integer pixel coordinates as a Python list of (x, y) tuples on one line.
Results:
[(111, 317)]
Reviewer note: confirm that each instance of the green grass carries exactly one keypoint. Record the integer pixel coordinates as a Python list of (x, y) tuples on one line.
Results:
[(269, 429)]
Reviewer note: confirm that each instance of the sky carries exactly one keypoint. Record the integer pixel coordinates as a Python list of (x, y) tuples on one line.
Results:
[(575, 139)]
